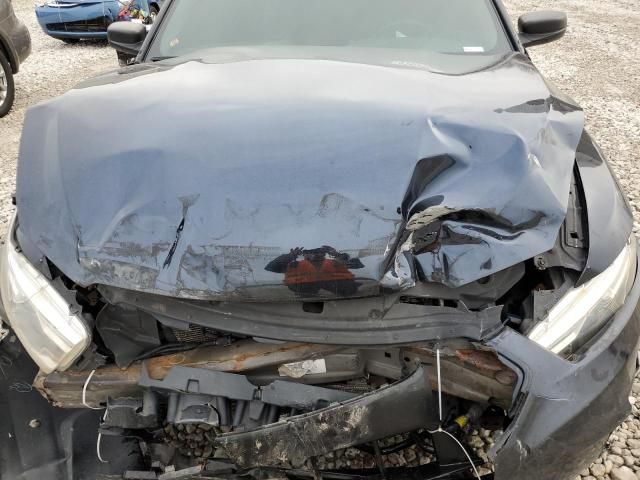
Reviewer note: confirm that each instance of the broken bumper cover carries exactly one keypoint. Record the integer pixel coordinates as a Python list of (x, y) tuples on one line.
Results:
[(567, 410), (398, 408), (563, 415)]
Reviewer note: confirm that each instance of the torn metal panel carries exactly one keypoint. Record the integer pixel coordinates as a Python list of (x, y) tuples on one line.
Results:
[(476, 178), (401, 407)]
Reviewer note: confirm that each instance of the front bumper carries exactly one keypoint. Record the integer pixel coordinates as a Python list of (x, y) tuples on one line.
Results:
[(561, 417), (88, 21), (566, 411)]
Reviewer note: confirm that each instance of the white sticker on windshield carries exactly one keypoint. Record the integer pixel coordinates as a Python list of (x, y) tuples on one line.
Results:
[(473, 49)]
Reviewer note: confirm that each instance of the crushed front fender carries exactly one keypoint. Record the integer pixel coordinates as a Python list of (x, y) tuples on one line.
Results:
[(567, 410)]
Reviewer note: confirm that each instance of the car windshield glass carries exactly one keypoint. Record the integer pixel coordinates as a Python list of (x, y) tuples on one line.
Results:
[(463, 28)]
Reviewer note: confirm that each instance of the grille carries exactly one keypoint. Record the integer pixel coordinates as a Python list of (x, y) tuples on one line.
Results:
[(355, 386), (195, 334), (98, 24)]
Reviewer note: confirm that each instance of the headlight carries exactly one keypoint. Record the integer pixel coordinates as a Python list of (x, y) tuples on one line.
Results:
[(584, 310), (51, 332)]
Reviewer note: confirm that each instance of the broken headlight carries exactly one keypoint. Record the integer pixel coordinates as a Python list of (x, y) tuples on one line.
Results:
[(50, 329), (580, 313)]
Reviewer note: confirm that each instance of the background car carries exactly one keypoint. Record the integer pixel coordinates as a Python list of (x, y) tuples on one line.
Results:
[(15, 47), (73, 20)]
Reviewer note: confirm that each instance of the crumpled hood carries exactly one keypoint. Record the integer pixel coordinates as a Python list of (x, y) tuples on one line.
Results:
[(275, 179)]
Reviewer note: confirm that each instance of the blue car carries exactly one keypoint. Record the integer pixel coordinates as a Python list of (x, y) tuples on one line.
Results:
[(73, 20)]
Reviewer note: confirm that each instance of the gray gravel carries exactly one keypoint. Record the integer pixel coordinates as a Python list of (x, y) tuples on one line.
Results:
[(53, 68), (597, 63)]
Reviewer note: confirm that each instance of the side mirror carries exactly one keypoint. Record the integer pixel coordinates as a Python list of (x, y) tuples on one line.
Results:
[(126, 37), (536, 28)]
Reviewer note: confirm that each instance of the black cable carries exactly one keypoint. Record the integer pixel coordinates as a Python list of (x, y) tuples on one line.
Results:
[(172, 348), (388, 449)]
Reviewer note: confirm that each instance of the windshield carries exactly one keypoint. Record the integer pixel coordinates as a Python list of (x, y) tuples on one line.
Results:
[(465, 28)]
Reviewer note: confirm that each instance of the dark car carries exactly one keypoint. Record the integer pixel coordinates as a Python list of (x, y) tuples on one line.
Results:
[(15, 47), (361, 231)]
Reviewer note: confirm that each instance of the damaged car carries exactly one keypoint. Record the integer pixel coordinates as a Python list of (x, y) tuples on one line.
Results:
[(367, 241)]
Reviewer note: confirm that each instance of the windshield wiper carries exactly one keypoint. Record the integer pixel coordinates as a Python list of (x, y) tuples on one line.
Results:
[(159, 59)]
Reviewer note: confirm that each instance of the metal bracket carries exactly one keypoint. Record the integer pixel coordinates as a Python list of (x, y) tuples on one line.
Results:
[(401, 407), (237, 387)]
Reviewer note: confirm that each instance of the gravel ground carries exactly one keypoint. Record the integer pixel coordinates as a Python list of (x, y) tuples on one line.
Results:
[(596, 63)]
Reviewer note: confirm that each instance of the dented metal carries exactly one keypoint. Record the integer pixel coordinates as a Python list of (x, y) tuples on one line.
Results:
[(379, 185), (367, 242)]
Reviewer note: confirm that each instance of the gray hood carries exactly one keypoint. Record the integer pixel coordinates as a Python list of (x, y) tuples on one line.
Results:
[(276, 179)]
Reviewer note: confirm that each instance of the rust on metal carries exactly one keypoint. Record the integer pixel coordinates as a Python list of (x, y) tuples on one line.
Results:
[(237, 357), (474, 375), (480, 378), (64, 389), (481, 359), (488, 362)]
